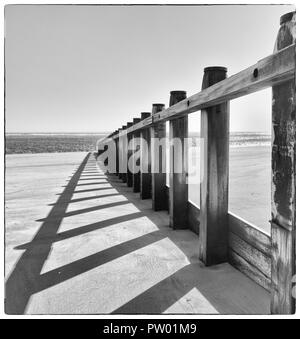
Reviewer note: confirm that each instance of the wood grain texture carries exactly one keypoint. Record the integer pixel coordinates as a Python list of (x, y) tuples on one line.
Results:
[(193, 215), (213, 230), (250, 271), (178, 193), (136, 176), (253, 246), (117, 156), (145, 160), (272, 70), (158, 163), (283, 230), (129, 175), (136, 159), (252, 255), (251, 234)]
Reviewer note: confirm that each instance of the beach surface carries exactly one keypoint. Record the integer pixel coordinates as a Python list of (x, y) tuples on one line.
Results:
[(249, 185), (81, 242)]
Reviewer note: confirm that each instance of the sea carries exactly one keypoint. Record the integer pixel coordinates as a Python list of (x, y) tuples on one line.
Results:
[(17, 143)]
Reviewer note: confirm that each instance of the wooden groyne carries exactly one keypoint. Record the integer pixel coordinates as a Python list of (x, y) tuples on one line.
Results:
[(224, 237)]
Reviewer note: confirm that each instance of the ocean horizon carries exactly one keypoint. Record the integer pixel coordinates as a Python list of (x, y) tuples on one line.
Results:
[(19, 143)]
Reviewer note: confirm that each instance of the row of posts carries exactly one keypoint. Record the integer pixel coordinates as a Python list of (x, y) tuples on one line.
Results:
[(214, 184), (213, 225)]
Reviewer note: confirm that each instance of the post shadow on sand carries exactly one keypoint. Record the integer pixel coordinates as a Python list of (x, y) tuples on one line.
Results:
[(91, 198), (26, 278), (207, 280)]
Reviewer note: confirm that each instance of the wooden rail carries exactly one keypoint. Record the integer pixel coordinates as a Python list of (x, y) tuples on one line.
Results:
[(270, 71), (223, 236), (250, 250)]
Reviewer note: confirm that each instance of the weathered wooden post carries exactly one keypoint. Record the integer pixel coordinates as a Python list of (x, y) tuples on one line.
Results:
[(213, 231), (145, 160), (136, 176), (124, 155), (105, 149), (283, 226), (158, 162), (117, 141), (101, 151), (178, 192), (129, 153), (120, 153), (114, 140)]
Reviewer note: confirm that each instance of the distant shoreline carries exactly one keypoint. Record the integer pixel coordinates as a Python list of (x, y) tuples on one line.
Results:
[(106, 133), (91, 151), (36, 143)]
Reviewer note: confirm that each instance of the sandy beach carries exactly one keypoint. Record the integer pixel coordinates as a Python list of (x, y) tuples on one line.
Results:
[(249, 185), (80, 242), (249, 189)]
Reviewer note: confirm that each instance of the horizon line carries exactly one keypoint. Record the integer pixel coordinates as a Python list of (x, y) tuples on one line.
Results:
[(107, 132)]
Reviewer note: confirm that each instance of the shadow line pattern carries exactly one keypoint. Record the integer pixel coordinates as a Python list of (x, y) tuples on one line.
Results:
[(24, 279)]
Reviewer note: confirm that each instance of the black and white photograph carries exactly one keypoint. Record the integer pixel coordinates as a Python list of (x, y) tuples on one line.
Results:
[(149, 161)]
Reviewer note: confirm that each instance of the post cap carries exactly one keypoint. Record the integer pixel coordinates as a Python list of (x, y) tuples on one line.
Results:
[(178, 92), (176, 96), (157, 108), (136, 120), (286, 17), (215, 68), (145, 115)]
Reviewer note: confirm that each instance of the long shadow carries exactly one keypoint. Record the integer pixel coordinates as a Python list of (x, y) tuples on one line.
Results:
[(69, 271), (221, 297), (24, 279), (93, 178), (94, 183), (220, 291), (164, 294), (90, 175), (93, 190), (82, 230), (88, 209), (91, 198)]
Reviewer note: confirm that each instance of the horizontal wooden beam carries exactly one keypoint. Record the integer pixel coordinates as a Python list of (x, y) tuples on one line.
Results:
[(250, 233), (250, 250), (272, 70), (251, 271)]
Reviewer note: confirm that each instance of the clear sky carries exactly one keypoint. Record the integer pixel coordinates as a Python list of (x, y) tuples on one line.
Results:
[(93, 68)]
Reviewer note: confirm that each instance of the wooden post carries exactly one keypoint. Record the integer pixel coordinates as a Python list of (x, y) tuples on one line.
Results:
[(283, 226), (129, 153), (117, 140), (145, 159), (178, 192), (124, 156), (105, 149), (158, 162), (136, 176), (213, 231), (120, 154)]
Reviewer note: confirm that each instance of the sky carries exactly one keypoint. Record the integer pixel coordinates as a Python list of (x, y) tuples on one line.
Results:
[(94, 68)]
